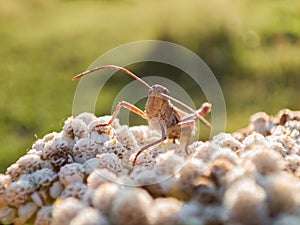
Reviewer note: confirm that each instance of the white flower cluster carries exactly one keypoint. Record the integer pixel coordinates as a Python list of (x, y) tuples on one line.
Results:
[(83, 175)]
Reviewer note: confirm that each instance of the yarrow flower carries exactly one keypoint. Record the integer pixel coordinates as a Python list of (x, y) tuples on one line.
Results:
[(84, 175)]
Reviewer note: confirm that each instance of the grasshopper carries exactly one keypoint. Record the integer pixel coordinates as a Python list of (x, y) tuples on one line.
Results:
[(159, 111)]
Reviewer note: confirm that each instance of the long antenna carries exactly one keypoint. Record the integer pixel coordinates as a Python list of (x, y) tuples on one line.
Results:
[(201, 118), (113, 67)]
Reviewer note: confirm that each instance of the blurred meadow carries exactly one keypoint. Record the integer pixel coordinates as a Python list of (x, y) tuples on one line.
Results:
[(253, 48)]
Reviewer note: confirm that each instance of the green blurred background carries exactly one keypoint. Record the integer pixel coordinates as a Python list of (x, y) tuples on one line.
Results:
[(253, 48)]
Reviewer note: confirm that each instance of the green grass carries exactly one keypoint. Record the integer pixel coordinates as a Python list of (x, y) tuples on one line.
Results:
[(251, 46)]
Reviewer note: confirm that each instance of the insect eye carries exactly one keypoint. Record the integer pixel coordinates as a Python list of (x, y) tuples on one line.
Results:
[(166, 91)]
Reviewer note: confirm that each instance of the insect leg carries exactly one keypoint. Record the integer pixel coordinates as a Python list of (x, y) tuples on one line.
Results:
[(163, 137), (203, 111), (190, 119), (188, 125), (128, 106)]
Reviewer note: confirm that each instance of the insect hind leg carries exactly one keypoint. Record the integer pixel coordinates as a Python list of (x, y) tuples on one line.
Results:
[(163, 137), (187, 128)]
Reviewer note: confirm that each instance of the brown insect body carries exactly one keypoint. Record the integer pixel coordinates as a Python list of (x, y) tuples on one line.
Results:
[(158, 108)]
